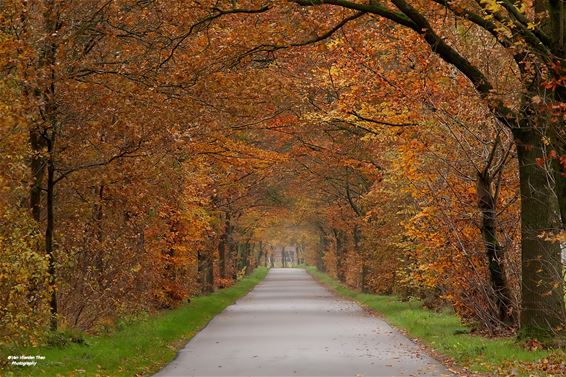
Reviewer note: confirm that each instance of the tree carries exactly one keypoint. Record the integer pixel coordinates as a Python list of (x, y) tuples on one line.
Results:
[(533, 38)]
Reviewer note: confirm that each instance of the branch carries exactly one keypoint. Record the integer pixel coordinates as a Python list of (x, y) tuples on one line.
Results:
[(330, 32), (381, 122), (124, 153), (319, 38), (525, 23), (535, 40), (480, 21), (207, 20), (374, 8), (354, 206)]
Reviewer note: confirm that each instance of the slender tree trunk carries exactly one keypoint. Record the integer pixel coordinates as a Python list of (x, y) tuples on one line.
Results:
[(210, 272), (259, 254), (222, 255), (271, 260), (357, 237), (542, 312), (37, 166), (340, 245), (322, 245), (244, 257), (49, 233), (225, 248), (205, 273), (494, 251), (233, 248)]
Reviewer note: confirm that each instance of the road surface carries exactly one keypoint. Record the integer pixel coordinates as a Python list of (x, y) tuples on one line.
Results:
[(290, 325)]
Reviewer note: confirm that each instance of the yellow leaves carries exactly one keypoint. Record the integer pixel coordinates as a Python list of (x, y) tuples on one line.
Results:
[(491, 6), (23, 280), (335, 42)]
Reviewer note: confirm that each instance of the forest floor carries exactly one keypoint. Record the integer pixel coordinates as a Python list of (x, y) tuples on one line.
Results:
[(137, 348), (290, 325), (445, 337)]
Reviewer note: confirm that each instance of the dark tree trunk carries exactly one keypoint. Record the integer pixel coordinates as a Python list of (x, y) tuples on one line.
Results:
[(233, 248), (222, 255), (357, 237), (340, 246), (205, 272), (494, 251), (271, 259), (283, 257), (49, 233), (259, 254), (37, 166), (542, 312), (225, 248), (322, 245), (301, 256), (244, 257)]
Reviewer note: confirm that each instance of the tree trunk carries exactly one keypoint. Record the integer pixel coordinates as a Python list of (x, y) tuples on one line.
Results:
[(37, 166), (205, 272), (271, 261), (233, 248), (244, 257), (301, 256), (357, 237), (49, 232), (259, 254), (494, 251), (542, 313), (225, 248), (340, 241), (322, 245), (222, 255)]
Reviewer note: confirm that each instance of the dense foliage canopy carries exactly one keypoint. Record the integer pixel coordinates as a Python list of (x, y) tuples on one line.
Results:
[(154, 150)]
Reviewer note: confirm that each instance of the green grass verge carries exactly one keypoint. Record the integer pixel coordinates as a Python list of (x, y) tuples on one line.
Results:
[(445, 333), (139, 348)]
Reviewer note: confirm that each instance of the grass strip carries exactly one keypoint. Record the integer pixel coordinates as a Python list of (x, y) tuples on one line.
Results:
[(141, 347), (444, 333)]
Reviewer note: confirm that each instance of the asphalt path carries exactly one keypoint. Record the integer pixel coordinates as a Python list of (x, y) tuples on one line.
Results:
[(290, 325)]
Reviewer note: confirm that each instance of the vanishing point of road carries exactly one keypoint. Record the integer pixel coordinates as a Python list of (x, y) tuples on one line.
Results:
[(290, 325)]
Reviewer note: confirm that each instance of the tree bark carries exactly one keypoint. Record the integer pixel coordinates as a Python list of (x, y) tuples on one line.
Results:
[(494, 251), (271, 261), (259, 254), (542, 314), (283, 257), (49, 232), (222, 256), (37, 166), (322, 245), (357, 236), (205, 272), (340, 246)]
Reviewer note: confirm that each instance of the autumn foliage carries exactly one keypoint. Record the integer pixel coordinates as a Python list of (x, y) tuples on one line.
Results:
[(157, 150)]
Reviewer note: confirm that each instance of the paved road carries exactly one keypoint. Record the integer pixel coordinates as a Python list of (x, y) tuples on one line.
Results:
[(289, 325)]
